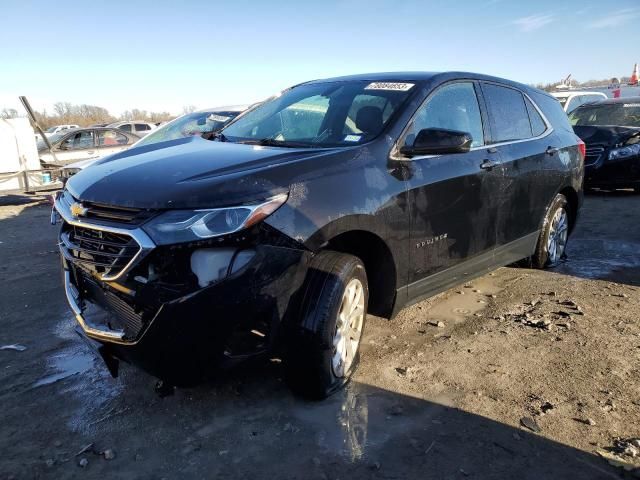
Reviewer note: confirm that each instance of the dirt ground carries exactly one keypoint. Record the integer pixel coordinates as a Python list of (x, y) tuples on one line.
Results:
[(556, 350)]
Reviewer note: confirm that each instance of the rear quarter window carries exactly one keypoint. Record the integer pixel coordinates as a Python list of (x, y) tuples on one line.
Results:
[(538, 126), (552, 110)]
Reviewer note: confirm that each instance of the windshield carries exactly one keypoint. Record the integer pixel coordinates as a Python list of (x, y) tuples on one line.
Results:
[(188, 125), (321, 114), (52, 139), (611, 114)]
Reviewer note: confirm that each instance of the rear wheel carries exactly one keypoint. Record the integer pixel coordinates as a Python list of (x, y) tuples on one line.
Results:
[(322, 349), (554, 235)]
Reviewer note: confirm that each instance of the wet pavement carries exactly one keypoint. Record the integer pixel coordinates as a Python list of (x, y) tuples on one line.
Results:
[(57, 398)]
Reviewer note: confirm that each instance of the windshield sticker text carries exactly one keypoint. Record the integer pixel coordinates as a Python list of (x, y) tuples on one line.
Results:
[(352, 138), (400, 87)]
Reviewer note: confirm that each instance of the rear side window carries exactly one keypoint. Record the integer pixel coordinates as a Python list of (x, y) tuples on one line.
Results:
[(142, 126), (125, 128), (108, 138), (537, 123), (507, 112)]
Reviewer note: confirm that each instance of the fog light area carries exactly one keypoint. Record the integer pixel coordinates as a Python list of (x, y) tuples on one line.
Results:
[(212, 264)]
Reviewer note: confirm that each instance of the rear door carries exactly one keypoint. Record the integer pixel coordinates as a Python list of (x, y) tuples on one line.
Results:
[(110, 141), (453, 197), (521, 135)]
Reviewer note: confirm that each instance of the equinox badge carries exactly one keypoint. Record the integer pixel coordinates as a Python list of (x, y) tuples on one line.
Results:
[(77, 209)]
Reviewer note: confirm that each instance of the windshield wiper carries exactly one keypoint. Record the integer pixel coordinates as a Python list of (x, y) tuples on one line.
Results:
[(272, 142)]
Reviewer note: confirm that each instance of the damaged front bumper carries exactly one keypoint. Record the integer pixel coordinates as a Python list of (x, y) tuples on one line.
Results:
[(180, 331)]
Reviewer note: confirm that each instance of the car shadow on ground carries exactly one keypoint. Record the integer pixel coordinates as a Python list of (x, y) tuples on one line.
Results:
[(246, 424)]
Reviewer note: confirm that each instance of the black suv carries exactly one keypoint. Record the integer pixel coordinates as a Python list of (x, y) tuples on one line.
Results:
[(335, 199), (611, 131)]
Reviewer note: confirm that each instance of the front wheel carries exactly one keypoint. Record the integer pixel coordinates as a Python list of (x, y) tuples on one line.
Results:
[(552, 242), (322, 348)]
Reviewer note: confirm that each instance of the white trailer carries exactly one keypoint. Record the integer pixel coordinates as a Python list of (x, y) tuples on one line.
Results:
[(20, 168)]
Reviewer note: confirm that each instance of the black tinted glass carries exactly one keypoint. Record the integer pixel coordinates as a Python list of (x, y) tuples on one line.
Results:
[(508, 112), (537, 123)]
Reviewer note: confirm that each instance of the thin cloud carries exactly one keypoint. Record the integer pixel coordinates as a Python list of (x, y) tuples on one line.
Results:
[(616, 19), (533, 22)]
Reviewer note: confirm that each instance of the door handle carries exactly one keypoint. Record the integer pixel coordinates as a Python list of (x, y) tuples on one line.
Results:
[(551, 151), (488, 164)]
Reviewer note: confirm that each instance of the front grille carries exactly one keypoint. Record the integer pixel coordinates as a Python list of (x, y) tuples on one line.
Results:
[(110, 213), (101, 252), (592, 156), (101, 213)]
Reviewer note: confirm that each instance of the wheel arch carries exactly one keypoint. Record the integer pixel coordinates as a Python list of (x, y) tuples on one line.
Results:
[(572, 198), (378, 262)]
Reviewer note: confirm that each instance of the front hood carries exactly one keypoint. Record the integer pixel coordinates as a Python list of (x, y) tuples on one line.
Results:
[(81, 164), (609, 136), (195, 173)]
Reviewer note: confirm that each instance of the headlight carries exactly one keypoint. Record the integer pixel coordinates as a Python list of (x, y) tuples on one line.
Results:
[(177, 226), (69, 172), (624, 152)]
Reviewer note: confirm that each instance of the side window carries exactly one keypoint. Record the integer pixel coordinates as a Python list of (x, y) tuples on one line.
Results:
[(126, 127), (452, 107), (380, 104), (508, 113), (79, 140), (109, 138), (141, 127), (537, 123)]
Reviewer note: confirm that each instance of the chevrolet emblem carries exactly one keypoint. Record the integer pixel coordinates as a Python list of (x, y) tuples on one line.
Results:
[(77, 209)]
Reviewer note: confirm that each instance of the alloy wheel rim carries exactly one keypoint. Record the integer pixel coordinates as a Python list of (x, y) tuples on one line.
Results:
[(346, 338), (558, 233)]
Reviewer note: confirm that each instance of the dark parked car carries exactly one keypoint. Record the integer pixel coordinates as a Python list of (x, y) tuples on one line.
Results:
[(338, 198), (611, 131)]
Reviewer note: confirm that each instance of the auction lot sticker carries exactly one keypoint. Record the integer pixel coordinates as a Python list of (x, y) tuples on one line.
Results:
[(400, 87)]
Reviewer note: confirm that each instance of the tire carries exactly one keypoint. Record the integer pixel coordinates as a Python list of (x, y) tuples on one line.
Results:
[(321, 351), (556, 226)]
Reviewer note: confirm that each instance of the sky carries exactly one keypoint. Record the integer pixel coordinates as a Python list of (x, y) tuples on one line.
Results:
[(163, 55)]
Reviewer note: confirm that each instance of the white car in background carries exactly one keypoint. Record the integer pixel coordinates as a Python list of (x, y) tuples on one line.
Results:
[(208, 120), (83, 145), (136, 127), (572, 99)]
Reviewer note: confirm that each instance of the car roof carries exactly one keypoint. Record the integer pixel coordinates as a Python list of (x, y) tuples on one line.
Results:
[(229, 108), (568, 93), (620, 100), (425, 76)]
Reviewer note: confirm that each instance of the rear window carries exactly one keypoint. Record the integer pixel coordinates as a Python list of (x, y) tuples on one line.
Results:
[(507, 112)]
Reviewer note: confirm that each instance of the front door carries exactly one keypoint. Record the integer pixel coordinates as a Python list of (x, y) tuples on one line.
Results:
[(76, 146), (453, 197)]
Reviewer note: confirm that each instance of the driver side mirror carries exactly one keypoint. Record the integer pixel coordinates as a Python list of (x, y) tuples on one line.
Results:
[(437, 141)]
